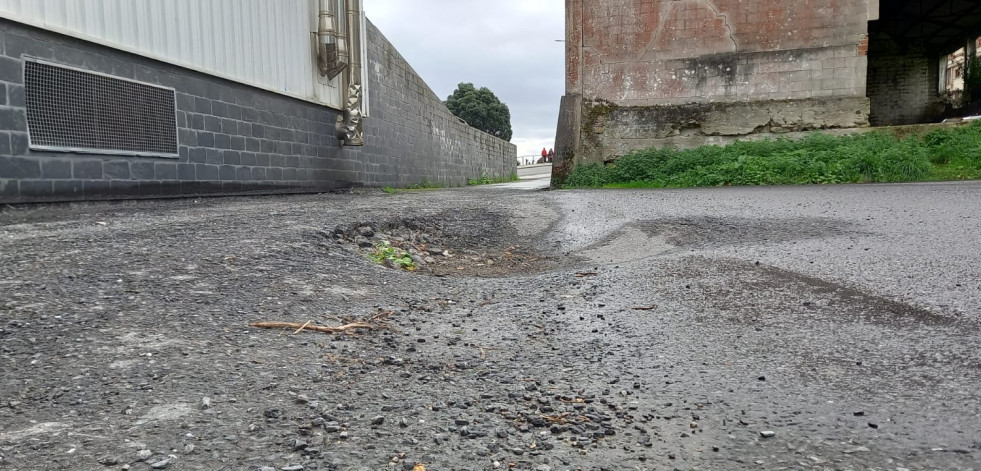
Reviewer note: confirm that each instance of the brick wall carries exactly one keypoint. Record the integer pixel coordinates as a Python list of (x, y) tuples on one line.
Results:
[(236, 139)]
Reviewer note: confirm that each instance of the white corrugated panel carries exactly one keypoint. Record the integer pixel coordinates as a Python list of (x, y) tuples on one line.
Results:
[(265, 43)]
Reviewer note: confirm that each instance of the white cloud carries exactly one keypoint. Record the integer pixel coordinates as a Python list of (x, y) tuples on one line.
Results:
[(508, 46)]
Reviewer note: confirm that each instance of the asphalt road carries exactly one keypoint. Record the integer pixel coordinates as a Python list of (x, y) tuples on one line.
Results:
[(818, 327), (535, 171), (920, 243)]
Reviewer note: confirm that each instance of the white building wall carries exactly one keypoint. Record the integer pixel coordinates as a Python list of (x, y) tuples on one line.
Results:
[(263, 43)]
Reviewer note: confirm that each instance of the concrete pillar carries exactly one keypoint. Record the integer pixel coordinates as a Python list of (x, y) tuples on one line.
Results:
[(573, 46), (903, 83)]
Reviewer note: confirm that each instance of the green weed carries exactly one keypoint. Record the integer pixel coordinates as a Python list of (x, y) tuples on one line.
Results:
[(951, 153), (485, 180), (425, 185), (385, 253)]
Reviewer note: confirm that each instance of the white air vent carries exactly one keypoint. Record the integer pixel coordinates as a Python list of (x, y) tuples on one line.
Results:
[(74, 110)]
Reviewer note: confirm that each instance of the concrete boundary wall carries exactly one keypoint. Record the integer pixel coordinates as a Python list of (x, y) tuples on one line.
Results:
[(684, 73), (412, 135), (236, 139)]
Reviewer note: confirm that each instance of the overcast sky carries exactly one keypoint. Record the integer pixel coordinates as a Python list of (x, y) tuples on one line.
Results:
[(508, 46)]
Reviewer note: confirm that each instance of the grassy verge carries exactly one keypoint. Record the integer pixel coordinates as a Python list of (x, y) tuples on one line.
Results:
[(943, 154), (485, 180)]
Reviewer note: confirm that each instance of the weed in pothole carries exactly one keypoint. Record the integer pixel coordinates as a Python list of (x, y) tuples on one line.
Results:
[(450, 244), (393, 257)]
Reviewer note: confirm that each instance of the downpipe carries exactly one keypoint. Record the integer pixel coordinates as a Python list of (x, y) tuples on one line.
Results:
[(332, 55), (350, 126)]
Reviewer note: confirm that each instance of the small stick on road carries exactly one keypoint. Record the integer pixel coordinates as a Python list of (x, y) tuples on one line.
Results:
[(649, 308), (483, 351), (301, 328), (375, 322), (346, 328)]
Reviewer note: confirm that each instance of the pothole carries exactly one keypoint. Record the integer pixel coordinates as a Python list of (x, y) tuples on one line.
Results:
[(452, 243)]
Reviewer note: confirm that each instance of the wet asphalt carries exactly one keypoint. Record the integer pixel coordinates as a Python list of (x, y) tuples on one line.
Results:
[(817, 327)]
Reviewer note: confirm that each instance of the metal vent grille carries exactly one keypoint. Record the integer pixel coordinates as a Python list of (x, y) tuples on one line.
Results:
[(75, 110)]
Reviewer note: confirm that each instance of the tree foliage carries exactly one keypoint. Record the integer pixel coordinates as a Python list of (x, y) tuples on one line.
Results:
[(972, 80), (481, 109)]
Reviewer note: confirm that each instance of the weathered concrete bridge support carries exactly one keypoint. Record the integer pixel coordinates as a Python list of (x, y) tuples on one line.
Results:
[(655, 73)]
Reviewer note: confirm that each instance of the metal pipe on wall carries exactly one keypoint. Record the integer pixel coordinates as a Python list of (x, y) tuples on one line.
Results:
[(350, 126), (331, 46)]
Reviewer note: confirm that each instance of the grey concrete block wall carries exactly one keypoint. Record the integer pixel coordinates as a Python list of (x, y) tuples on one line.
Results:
[(412, 136), (236, 139), (233, 139)]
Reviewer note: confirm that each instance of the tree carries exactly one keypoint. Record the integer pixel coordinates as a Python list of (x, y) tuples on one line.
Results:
[(972, 80), (481, 109)]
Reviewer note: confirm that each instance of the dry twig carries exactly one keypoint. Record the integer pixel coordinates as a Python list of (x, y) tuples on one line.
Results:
[(560, 419), (301, 328), (314, 328), (375, 322), (650, 308), (483, 351)]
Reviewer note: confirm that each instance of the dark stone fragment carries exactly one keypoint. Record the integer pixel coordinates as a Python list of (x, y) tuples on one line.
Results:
[(558, 429)]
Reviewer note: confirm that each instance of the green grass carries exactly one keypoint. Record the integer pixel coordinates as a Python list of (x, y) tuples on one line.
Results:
[(944, 154), (425, 185), (485, 180)]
